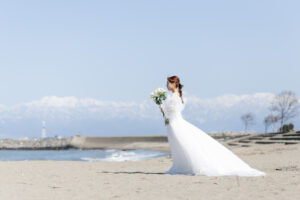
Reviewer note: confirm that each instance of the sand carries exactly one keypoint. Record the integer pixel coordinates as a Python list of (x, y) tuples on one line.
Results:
[(145, 179)]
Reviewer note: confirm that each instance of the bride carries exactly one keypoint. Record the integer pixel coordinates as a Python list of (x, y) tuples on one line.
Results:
[(193, 151)]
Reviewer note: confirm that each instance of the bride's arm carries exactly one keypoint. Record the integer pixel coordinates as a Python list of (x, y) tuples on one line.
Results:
[(168, 106)]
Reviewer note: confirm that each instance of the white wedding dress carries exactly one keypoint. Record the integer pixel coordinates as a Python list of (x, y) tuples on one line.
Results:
[(196, 153)]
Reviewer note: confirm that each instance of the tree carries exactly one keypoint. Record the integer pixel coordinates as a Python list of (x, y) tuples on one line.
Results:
[(270, 120), (286, 128), (248, 119), (286, 105)]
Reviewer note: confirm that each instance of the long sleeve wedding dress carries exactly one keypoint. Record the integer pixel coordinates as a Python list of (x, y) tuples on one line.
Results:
[(194, 152)]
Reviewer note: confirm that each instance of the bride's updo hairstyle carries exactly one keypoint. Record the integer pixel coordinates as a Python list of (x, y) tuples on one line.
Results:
[(176, 80)]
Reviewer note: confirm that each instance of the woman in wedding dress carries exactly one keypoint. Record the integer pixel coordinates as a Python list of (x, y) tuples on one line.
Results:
[(193, 151)]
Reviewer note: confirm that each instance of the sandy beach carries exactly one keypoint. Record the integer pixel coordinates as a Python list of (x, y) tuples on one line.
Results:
[(145, 179)]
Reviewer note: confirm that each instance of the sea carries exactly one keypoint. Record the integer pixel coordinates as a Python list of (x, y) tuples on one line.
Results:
[(81, 155)]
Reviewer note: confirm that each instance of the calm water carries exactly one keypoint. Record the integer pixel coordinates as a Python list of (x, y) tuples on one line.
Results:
[(80, 155)]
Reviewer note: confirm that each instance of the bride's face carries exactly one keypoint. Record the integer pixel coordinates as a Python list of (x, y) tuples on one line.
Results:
[(171, 86)]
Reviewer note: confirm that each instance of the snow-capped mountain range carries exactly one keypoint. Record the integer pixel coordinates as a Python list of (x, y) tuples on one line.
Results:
[(66, 116)]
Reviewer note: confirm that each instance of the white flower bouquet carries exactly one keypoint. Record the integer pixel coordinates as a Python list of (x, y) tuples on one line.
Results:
[(158, 96)]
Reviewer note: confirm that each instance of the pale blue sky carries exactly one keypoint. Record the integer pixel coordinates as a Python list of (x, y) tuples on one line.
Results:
[(122, 50)]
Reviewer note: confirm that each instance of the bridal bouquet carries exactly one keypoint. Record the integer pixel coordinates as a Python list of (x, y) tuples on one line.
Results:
[(158, 96)]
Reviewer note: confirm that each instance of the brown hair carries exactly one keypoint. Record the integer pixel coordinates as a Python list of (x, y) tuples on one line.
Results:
[(176, 80)]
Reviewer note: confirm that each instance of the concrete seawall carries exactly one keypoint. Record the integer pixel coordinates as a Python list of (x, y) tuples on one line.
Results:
[(154, 142), (86, 142), (125, 142)]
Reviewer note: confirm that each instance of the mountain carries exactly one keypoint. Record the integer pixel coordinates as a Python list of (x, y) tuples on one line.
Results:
[(66, 116)]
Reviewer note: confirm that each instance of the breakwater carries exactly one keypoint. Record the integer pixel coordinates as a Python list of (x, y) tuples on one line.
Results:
[(86, 142)]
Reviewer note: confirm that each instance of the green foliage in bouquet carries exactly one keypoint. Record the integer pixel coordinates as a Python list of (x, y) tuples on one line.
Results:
[(158, 96)]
